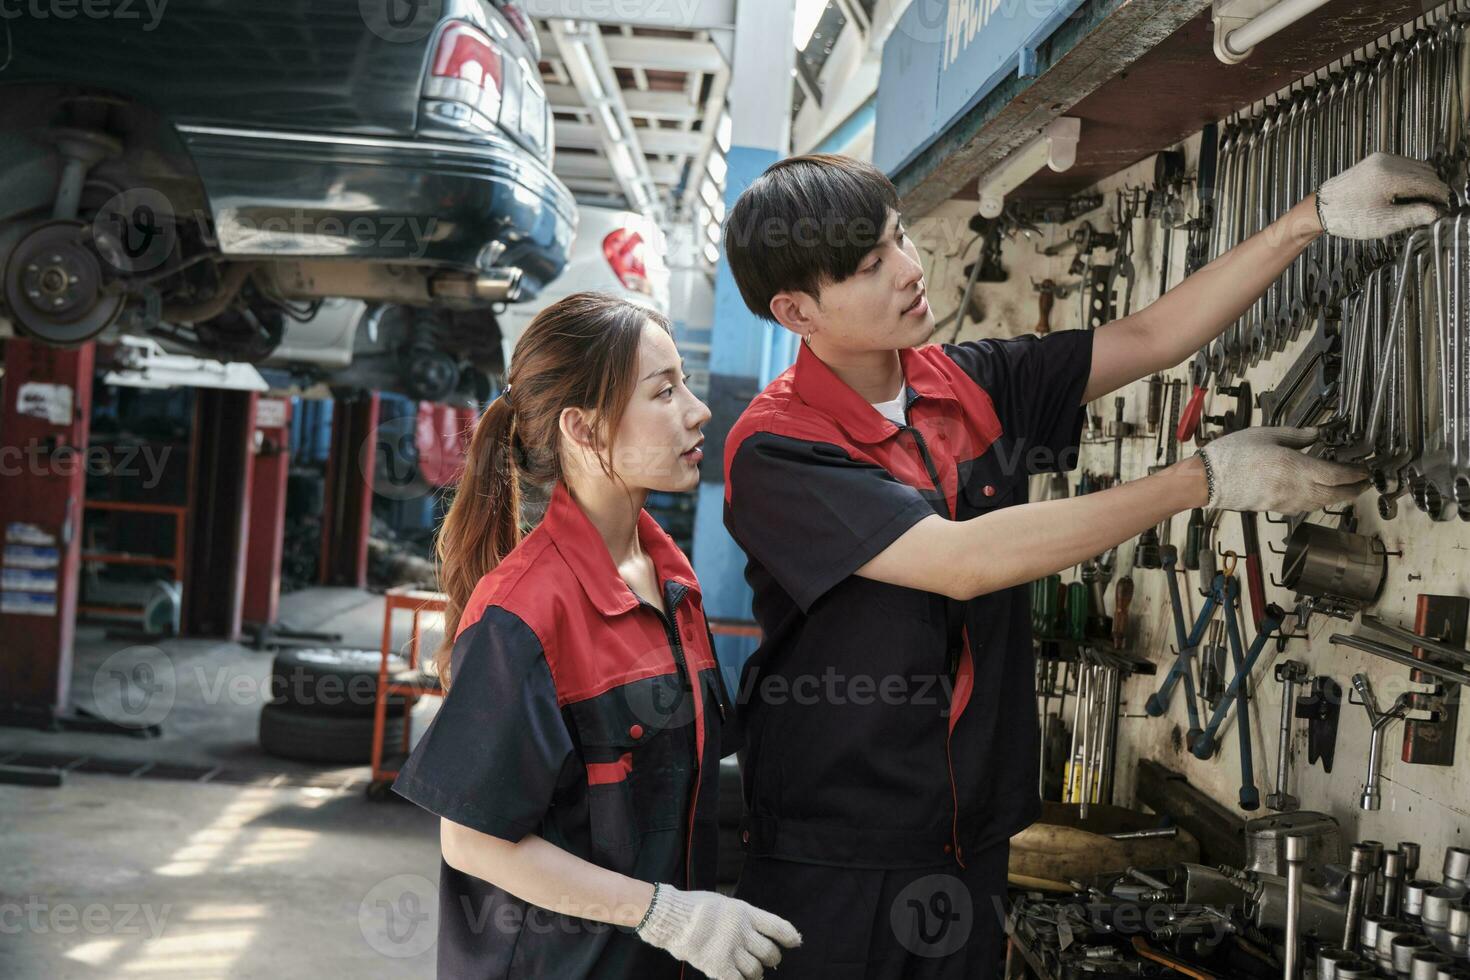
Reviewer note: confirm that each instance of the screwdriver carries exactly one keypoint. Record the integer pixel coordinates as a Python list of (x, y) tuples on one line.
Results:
[(1117, 441), (1194, 538), (1122, 599)]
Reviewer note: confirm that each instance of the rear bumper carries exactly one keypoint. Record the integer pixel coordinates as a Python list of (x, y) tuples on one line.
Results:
[(283, 194)]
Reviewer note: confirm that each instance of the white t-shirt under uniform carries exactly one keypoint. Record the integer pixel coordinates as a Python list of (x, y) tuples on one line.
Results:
[(893, 410)]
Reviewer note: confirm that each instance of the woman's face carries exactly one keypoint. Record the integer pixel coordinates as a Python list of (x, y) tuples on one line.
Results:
[(658, 444)]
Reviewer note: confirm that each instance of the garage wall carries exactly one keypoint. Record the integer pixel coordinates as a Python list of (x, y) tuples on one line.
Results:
[(1423, 803)]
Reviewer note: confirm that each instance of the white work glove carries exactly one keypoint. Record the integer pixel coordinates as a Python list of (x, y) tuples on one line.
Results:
[(1263, 469), (723, 938), (1380, 195)]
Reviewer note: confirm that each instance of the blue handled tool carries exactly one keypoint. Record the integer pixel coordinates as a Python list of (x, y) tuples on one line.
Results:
[(1203, 745), (1158, 702)]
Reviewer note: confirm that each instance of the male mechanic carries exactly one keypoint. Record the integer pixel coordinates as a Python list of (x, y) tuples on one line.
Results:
[(879, 491)]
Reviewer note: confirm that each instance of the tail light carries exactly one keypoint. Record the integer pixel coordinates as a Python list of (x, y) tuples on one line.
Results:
[(624, 251), (513, 13), (468, 69)]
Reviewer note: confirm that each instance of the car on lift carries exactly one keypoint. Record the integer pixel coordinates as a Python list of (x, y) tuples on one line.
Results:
[(619, 252), (352, 344), (207, 176)]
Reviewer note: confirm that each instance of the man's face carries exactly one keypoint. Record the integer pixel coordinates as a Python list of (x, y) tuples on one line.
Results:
[(873, 309)]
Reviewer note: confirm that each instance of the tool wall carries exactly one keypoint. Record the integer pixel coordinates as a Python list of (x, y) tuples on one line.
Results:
[(1323, 656)]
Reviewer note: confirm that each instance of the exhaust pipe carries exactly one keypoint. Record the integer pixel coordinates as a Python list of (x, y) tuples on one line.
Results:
[(501, 285)]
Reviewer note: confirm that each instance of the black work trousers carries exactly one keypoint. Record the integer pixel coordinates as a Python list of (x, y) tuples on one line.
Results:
[(937, 923)]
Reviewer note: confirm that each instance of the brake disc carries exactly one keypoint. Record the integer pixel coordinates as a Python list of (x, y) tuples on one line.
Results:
[(55, 288)]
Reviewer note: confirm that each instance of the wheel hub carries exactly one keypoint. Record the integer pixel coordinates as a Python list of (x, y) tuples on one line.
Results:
[(54, 286)]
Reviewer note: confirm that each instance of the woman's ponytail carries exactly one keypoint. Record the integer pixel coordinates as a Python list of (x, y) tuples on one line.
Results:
[(483, 522)]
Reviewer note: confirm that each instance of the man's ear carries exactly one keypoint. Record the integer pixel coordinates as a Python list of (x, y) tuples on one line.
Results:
[(794, 310)]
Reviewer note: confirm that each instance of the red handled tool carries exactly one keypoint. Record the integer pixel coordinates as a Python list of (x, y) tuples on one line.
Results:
[(1189, 419), (1255, 582)]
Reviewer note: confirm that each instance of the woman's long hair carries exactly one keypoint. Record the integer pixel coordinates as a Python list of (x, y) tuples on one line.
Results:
[(579, 352)]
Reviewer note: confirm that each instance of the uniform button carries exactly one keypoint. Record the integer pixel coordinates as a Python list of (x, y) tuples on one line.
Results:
[(948, 848), (745, 836), (636, 731), (989, 490)]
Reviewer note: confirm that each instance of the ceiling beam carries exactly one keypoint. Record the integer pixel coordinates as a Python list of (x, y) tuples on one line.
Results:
[(650, 105), (588, 136), (713, 108), (574, 166), (680, 15), (594, 185), (663, 53), (585, 55)]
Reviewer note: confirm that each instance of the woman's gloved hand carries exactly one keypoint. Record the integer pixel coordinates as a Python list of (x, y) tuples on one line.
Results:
[(1264, 469), (724, 938), (1380, 195)]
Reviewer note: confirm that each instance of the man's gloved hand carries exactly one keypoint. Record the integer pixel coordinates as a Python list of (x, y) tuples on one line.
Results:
[(1380, 195), (724, 938), (1263, 469)]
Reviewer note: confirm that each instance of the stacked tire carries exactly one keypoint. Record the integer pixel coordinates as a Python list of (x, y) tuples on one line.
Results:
[(322, 703)]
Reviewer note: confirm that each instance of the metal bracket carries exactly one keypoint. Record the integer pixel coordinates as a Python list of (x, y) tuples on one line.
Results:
[(1227, 15), (1099, 296), (1054, 210), (1321, 709)]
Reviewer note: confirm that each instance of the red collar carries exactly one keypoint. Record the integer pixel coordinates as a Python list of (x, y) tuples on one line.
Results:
[(584, 551), (817, 385)]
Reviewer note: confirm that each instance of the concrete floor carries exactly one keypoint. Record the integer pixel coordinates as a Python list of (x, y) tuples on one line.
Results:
[(110, 876)]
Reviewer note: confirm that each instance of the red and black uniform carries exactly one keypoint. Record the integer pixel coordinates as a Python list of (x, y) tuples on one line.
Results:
[(580, 713), (891, 734)]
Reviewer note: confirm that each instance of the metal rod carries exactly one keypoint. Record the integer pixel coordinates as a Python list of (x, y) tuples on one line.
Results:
[(1045, 668), (1147, 879), (1296, 856), (1399, 657), (1290, 673), (1111, 690), (1145, 834), (1360, 865), (1458, 654), (1073, 760), (1393, 877), (1088, 732)]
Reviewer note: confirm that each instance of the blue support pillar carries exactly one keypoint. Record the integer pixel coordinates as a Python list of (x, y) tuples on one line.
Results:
[(745, 351)]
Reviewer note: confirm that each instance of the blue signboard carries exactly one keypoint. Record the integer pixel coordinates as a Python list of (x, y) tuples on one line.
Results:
[(944, 57)]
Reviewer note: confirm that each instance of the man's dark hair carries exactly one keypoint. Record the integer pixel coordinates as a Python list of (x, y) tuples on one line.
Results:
[(805, 221)]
